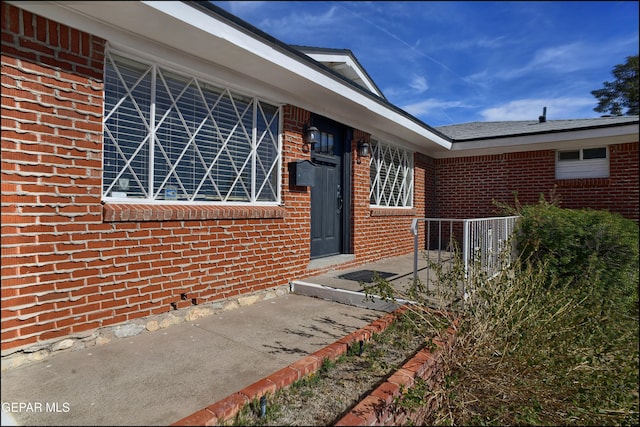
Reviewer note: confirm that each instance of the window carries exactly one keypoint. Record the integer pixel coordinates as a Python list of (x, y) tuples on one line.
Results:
[(582, 163), (325, 146), (391, 172), (172, 137)]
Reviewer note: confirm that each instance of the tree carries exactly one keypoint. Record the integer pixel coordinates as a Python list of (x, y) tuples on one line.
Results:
[(623, 92)]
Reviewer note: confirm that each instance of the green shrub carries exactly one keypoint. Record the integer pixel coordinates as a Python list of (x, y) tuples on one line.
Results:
[(596, 248)]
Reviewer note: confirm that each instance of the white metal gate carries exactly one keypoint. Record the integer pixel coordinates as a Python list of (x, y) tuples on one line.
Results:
[(480, 243)]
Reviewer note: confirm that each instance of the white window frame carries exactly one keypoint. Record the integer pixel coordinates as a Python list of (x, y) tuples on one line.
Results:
[(579, 167), (391, 175), (249, 150)]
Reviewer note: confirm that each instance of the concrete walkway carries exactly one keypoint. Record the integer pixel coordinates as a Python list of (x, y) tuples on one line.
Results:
[(158, 378)]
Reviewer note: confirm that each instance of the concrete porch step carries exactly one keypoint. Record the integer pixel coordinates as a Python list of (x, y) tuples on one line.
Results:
[(344, 296)]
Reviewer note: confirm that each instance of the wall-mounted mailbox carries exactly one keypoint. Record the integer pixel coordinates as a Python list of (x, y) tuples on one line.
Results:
[(302, 173)]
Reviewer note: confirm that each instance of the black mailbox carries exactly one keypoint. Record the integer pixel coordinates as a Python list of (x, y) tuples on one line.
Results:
[(302, 173)]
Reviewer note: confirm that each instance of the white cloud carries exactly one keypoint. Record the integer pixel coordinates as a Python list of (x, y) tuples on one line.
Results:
[(419, 84), (416, 86), (291, 25), (479, 42), (572, 57), (530, 109), (482, 79), (565, 58), (429, 106), (239, 8), (556, 54)]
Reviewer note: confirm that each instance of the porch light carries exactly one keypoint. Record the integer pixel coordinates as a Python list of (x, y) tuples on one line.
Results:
[(312, 136), (363, 149)]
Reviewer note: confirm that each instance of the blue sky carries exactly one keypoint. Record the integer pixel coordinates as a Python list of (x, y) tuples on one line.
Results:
[(457, 62)]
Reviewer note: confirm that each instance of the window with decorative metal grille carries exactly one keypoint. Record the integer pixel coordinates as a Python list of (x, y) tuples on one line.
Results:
[(391, 173), (171, 137)]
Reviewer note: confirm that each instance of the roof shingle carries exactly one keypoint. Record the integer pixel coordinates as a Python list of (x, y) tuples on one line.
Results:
[(484, 130)]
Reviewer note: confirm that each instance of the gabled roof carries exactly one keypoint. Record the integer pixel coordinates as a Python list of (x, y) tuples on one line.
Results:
[(474, 131), (344, 62)]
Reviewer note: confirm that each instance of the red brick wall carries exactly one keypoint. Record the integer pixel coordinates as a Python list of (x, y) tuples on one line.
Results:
[(70, 264), (467, 187), (618, 193), (51, 160)]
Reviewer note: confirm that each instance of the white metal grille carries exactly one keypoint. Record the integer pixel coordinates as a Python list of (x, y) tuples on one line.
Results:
[(172, 137), (391, 173)]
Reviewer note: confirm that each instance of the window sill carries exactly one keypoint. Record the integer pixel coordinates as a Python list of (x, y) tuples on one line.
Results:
[(582, 182), (130, 212), (392, 212)]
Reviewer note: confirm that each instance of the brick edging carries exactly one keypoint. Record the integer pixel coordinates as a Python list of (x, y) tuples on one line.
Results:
[(365, 413), (378, 408)]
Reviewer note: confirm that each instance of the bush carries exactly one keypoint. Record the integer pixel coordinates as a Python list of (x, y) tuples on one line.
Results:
[(552, 339), (596, 248)]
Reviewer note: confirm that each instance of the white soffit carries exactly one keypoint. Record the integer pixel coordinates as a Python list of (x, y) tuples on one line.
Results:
[(230, 46)]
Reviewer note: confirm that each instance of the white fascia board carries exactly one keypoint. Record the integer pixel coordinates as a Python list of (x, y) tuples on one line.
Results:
[(586, 138), (234, 50)]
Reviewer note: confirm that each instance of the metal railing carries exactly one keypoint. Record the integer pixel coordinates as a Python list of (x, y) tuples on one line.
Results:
[(480, 243)]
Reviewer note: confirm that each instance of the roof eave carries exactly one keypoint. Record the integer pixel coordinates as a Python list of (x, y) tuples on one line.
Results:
[(586, 137), (207, 32)]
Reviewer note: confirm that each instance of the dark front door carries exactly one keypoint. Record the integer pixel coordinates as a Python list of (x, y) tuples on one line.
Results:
[(328, 192)]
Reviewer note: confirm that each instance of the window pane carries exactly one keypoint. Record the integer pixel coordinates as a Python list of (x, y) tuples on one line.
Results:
[(267, 152), (569, 155), (171, 136), (126, 143), (374, 176), (594, 153)]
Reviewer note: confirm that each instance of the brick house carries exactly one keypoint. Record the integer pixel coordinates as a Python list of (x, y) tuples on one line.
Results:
[(147, 170)]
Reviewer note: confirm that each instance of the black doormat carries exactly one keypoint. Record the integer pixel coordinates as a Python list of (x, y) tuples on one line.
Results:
[(365, 275)]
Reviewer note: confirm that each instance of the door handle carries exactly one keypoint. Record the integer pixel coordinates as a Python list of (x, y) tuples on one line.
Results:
[(339, 197)]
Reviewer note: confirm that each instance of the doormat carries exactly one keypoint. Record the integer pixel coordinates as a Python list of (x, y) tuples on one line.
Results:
[(365, 275)]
